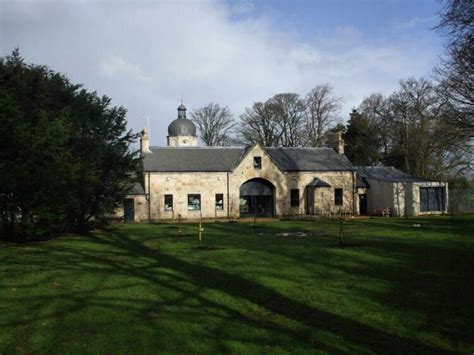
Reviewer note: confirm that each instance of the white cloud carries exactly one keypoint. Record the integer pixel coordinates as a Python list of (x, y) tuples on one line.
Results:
[(116, 66), (147, 55)]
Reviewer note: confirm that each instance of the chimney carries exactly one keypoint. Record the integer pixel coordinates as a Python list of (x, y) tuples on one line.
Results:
[(144, 142), (336, 142)]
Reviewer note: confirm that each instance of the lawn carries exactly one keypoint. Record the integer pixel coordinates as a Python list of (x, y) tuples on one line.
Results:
[(280, 287)]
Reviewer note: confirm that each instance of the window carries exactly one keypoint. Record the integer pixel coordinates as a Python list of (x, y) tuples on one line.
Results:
[(219, 201), (168, 202), (338, 197), (257, 162), (432, 199), (295, 197), (194, 202)]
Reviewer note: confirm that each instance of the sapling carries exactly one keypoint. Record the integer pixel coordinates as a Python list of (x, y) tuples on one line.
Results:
[(200, 230)]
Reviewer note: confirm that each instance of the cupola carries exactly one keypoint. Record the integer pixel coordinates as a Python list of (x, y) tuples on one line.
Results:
[(181, 131)]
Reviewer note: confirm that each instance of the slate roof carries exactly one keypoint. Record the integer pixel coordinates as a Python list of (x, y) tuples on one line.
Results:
[(192, 159), (361, 182), (309, 159), (318, 183), (213, 159), (386, 173), (137, 189)]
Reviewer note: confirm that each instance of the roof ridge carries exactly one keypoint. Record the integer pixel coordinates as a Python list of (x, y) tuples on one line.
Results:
[(311, 148), (200, 147)]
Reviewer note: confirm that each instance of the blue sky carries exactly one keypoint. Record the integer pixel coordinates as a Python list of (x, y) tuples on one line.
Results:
[(147, 55), (376, 20)]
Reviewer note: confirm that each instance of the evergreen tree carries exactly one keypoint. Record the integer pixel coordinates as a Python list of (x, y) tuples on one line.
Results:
[(103, 162), (362, 140), (44, 168)]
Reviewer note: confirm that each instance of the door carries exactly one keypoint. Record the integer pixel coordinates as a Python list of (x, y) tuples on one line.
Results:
[(129, 210), (256, 198), (310, 200), (363, 204)]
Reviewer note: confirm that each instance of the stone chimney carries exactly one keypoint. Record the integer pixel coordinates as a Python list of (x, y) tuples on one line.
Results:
[(144, 142), (336, 142)]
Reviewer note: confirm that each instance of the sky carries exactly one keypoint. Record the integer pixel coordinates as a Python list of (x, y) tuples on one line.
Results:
[(149, 55)]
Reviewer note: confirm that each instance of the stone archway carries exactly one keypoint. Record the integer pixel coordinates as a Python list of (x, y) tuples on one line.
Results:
[(257, 198)]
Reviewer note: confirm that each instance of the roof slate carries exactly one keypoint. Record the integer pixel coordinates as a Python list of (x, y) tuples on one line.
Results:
[(386, 173), (192, 159), (318, 183), (213, 159), (361, 182), (137, 189), (309, 159)]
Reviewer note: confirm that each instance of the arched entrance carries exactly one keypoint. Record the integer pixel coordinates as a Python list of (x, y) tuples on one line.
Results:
[(257, 198)]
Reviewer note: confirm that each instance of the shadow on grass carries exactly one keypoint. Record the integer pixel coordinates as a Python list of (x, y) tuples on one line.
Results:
[(428, 274), (211, 278), (114, 259)]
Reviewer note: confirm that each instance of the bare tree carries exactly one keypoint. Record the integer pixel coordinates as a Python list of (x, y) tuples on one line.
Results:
[(288, 111), (276, 122), (456, 72), (215, 124), (257, 125), (322, 109), (424, 143)]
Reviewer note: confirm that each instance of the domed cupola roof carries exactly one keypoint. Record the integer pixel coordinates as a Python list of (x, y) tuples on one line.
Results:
[(181, 126)]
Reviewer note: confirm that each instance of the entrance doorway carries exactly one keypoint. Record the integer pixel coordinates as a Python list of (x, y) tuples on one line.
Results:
[(256, 198), (129, 210), (363, 204)]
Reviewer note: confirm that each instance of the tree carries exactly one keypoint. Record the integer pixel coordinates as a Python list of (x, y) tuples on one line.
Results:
[(322, 109), (258, 125), (103, 163), (362, 139), (44, 167), (411, 129), (276, 122), (456, 72), (33, 158), (424, 142), (376, 109), (215, 124), (288, 113)]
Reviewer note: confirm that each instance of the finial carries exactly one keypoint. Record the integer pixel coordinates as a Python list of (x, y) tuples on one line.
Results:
[(181, 111)]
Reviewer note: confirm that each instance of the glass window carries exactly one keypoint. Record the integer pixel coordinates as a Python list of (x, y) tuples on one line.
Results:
[(168, 202), (194, 202), (295, 197), (219, 201), (338, 197), (257, 162), (432, 199)]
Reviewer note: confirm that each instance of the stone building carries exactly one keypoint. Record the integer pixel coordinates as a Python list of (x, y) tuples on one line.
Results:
[(233, 182)]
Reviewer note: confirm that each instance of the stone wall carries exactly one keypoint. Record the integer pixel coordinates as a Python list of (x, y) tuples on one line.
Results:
[(140, 208), (182, 141), (180, 185), (208, 184)]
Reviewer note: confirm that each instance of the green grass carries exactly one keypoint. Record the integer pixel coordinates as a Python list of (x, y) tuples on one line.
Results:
[(395, 288)]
